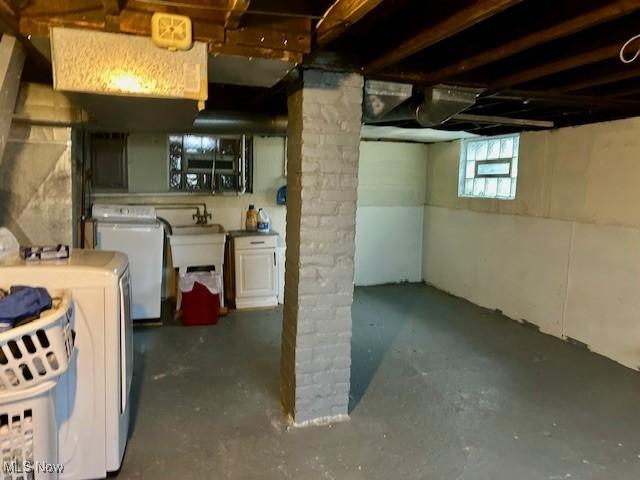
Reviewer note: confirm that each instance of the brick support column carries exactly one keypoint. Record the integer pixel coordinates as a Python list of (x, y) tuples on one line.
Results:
[(325, 116)]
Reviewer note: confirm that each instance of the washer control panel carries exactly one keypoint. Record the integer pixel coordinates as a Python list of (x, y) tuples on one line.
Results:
[(123, 212)]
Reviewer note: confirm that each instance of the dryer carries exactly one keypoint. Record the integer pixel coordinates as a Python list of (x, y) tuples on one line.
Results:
[(92, 398)]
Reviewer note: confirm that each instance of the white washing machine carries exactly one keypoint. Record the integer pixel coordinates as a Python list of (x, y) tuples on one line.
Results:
[(135, 231), (92, 398)]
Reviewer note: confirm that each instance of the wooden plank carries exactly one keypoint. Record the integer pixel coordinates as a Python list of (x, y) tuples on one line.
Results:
[(58, 8), (292, 35), (236, 9), (111, 7), (129, 21), (40, 25), (8, 9), (626, 74), (339, 17), (467, 17), (564, 64), (500, 120), (557, 99), (626, 93), (575, 24), (244, 51), (213, 11)]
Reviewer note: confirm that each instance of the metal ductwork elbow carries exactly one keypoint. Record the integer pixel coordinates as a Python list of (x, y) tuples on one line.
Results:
[(443, 102), (440, 103)]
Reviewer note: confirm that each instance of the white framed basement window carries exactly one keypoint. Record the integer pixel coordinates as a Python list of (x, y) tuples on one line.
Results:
[(489, 167)]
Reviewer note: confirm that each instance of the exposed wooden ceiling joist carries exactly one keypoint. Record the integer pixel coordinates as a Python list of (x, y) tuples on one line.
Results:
[(277, 37), (553, 32), (500, 120), (626, 74), (461, 20), (9, 24), (563, 99), (340, 16), (236, 9), (128, 21), (111, 7), (245, 51), (292, 34), (564, 64), (631, 92)]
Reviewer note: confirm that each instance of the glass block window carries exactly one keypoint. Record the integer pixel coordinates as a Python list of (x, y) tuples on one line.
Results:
[(489, 167), (207, 163)]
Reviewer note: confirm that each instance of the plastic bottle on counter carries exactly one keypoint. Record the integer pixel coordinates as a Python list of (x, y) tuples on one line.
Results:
[(263, 221), (251, 222)]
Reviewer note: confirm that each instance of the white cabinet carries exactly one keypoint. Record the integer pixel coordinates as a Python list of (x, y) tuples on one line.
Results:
[(256, 271)]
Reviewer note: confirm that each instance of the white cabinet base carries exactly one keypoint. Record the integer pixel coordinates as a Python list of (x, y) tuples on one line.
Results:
[(256, 272), (256, 302)]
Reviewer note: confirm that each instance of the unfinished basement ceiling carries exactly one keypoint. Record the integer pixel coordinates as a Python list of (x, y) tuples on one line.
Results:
[(542, 60)]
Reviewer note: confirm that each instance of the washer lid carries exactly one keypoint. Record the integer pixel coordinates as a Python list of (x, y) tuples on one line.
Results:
[(126, 213)]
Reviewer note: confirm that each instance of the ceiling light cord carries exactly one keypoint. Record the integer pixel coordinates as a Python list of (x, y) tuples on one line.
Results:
[(624, 47)]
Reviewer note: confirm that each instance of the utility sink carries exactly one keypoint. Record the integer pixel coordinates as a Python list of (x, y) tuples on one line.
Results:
[(197, 245), (213, 228)]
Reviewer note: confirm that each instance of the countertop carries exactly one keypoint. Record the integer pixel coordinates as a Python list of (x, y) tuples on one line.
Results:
[(252, 233)]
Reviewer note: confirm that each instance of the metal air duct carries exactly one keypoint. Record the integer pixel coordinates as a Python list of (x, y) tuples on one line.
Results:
[(232, 122)]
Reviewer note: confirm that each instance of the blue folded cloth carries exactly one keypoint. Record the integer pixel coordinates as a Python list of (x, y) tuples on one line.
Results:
[(23, 302)]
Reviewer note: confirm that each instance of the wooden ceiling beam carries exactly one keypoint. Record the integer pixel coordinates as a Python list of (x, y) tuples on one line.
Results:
[(9, 24), (575, 24), (129, 21), (473, 14), (339, 17), (626, 93), (111, 7), (40, 24), (502, 120), (626, 74), (291, 34), (558, 99), (235, 12), (261, 52), (562, 65)]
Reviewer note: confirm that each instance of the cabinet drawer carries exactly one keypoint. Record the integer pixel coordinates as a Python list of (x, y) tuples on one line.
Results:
[(262, 241)]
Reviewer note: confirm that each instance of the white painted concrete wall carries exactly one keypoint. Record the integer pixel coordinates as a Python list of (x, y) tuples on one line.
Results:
[(388, 245), (391, 189), (565, 255), (391, 192)]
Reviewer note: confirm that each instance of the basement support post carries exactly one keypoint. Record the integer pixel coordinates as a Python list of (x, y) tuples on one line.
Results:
[(11, 62), (325, 115)]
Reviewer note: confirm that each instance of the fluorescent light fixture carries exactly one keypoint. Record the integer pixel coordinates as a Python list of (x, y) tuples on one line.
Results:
[(117, 64)]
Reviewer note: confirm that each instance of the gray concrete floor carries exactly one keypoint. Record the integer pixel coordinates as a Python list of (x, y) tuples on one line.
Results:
[(441, 389)]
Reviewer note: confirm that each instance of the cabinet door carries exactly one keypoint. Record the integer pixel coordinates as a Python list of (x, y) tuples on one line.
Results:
[(256, 273)]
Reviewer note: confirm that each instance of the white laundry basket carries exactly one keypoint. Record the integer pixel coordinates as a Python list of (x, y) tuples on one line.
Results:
[(39, 350), (28, 434)]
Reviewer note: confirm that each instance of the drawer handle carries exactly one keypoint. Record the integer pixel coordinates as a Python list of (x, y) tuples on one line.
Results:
[(257, 243)]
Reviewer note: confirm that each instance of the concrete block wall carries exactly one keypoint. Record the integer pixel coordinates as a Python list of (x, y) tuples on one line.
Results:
[(564, 254), (323, 153)]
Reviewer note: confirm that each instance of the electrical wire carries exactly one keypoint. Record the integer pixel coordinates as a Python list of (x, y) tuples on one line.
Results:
[(624, 47)]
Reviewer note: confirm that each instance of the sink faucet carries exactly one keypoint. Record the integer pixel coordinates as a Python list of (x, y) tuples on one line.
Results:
[(201, 219)]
